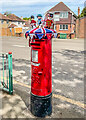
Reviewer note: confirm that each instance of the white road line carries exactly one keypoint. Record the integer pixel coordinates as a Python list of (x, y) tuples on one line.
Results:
[(19, 46)]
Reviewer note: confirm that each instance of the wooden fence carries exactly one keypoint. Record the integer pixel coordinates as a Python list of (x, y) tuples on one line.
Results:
[(9, 32)]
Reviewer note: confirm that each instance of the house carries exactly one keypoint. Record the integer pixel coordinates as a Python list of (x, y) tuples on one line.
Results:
[(64, 19), (16, 23), (11, 25), (4, 21), (27, 26), (16, 20)]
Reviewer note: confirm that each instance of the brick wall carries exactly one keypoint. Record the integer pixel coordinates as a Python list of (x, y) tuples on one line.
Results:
[(80, 26)]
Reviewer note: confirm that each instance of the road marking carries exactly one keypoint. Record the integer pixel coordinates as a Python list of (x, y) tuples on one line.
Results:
[(70, 100), (19, 46), (59, 97)]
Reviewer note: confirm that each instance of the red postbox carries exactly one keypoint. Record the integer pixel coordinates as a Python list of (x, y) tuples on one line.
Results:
[(41, 72)]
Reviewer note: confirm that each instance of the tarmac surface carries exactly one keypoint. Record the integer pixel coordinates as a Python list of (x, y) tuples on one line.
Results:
[(67, 79)]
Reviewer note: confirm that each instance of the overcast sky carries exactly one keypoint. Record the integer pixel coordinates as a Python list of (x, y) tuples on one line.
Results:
[(26, 8)]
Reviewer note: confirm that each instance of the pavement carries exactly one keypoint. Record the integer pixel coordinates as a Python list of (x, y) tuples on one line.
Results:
[(67, 79)]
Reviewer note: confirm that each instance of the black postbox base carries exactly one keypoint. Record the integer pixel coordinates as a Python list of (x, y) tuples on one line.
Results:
[(41, 106)]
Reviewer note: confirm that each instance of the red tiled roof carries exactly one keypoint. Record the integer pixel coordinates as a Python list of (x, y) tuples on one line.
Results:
[(12, 26), (59, 7), (27, 23), (3, 17), (15, 18)]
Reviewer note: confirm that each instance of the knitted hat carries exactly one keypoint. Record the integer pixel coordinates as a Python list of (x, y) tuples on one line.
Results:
[(32, 16), (39, 15)]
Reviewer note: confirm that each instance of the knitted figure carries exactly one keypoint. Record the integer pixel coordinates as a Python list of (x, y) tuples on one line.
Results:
[(49, 21), (39, 21), (33, 22)]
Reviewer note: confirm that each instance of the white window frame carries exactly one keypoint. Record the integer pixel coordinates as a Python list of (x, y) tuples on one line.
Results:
[(63, 13), (56, 18), (66, 27), (54, 27), (62, 27)]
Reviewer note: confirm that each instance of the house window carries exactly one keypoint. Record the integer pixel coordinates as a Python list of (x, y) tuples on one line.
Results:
[(67, 27), (56, 17), (7, 21), (54, 27), (63, 14), (63, 27), (2, 21)]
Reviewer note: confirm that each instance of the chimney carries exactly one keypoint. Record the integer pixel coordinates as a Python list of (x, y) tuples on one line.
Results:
[(22, 17), (78, 11)]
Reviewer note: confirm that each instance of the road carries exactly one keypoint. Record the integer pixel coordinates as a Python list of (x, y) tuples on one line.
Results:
[(67, 73)]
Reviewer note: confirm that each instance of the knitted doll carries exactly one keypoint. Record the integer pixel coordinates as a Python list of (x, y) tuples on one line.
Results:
[(39, 21), (49, 21), (33, 22)]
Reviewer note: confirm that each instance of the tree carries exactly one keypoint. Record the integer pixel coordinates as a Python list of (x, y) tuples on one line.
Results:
[(83, 13), (7, 13), (26, 18)]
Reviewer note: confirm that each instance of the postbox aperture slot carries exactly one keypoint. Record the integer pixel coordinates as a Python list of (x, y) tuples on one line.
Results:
[(35, 55), (32, 43)]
